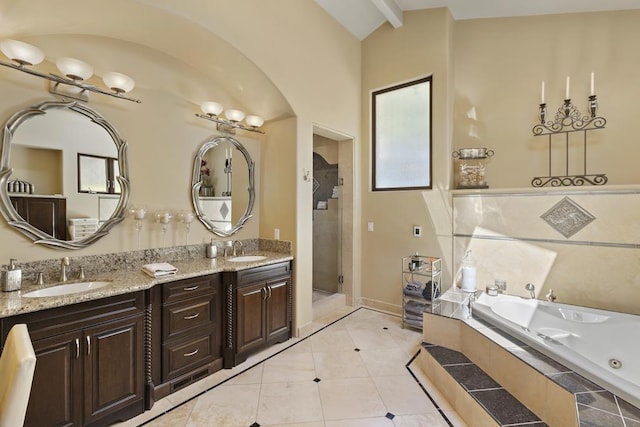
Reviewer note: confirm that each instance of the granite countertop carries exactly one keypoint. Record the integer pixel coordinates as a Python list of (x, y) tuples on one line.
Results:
[(126, 281)]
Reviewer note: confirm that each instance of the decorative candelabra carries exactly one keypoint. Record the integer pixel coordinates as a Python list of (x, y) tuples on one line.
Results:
[(568, 119), (138, 215)]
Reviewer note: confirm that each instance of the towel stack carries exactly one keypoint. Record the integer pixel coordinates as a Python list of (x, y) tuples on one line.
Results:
[(159, 269)]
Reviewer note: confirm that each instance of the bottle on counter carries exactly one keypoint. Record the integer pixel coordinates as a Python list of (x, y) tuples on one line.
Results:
[(468, 273)]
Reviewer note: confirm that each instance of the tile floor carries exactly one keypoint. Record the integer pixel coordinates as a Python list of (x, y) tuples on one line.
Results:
[(357, 371)]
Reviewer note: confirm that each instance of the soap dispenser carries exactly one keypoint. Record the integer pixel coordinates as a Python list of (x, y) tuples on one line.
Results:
[(468, 273), (11, 277), (212, 249)]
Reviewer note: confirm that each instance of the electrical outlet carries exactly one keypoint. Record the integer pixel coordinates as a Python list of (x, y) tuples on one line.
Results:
[(417, 231), (370, 226), (276, 233)]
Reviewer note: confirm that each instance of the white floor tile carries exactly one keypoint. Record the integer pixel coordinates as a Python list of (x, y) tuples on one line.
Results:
[(227, 405), (283, 403), (356, 388), (350, 398), (403, 396)]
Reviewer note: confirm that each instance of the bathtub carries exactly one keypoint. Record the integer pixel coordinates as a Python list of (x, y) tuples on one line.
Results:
[(602, 346)]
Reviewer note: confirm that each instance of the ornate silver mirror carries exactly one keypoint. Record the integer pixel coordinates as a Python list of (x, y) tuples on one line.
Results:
[(63, 174), (222, 185)]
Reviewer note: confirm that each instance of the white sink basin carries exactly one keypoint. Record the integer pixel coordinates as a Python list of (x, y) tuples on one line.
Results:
[(71, 288), (247, 258)]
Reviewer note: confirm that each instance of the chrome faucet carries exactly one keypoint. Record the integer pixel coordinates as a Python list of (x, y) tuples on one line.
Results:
[(241, 248), (532, 290), (550, 296), (63, 269)]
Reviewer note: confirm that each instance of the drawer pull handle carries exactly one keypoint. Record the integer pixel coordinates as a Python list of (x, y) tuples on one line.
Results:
[(193, 353), (193, 316), (77, 348), (88, 345), (192, 288)]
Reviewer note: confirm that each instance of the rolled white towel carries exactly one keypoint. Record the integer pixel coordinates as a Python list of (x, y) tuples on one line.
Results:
[(159, 269)]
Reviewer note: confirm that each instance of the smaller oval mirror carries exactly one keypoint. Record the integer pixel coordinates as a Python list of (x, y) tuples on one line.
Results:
[(72, 171), (222, 185)]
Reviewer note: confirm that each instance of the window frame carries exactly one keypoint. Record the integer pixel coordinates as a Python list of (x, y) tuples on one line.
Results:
[(110, 174), (428, 145)]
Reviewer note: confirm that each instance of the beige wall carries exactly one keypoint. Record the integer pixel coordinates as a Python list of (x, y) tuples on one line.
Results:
[(495, 66), (499, 67), (281, 59), (390, 56)]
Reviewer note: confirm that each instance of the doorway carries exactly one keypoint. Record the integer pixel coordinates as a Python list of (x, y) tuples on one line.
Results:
[(332, 221)]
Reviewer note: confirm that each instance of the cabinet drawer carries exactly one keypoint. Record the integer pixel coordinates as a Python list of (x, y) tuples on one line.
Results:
[(261, 274), (181, 357), (188, 315), (188, 288)]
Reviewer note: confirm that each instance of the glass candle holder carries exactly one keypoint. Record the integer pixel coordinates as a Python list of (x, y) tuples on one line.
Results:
[(164, 218)]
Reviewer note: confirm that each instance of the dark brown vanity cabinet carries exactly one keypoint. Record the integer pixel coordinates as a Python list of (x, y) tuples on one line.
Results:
[(89, 362), (261, 310), (189, 329), (48, 214)]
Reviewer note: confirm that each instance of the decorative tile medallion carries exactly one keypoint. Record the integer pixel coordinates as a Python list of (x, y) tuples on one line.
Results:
[(224, 210), (567, 217)]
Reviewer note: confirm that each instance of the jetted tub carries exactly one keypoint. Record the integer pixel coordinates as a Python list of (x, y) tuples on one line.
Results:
[(602, 346)]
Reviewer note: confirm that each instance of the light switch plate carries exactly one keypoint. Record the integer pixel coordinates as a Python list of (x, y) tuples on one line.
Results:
[(417, 231), (370, 226)]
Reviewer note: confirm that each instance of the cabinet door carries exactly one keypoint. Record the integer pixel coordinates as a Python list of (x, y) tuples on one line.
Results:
[(277, 320), (46, 214), (113, 371), (250, 331), (56, 399)]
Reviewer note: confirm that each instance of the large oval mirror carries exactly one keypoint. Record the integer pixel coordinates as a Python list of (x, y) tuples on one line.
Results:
[(64, 174), (222, 189)]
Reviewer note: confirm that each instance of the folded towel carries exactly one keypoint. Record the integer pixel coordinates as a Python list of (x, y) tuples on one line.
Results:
[(159, 269)]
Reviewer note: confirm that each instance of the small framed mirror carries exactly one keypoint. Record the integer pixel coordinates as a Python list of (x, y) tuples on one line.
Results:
[(222, 185), (43, 194)]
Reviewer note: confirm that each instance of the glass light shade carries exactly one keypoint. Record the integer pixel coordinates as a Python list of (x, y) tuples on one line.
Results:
[(234, 115), (255, 121), (20, 52), (117, 82), (212, 108), (74, 68)]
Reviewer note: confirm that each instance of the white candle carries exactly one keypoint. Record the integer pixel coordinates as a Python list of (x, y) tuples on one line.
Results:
[(593, 89), (542, 96), (566, 95)]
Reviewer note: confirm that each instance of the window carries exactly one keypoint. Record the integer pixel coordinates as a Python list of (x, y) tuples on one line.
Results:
[(401, 136), (97, 174)]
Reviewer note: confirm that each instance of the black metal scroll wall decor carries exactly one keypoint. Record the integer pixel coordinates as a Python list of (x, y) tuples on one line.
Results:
[(568, 120)]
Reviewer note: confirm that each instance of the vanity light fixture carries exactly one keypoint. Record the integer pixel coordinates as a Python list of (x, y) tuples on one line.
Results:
[(75, 72), (214, 110)]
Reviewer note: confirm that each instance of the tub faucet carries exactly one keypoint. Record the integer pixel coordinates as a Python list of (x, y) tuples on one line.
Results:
[(64, 263), (550, 296), (241, 248), (532, 290)]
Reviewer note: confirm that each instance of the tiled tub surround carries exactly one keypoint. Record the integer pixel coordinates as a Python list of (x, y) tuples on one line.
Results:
[(595, 343), (123, 271), (559, 396), (584, 243)]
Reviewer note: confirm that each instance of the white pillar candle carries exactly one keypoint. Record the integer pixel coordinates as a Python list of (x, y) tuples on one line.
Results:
[(542, 96), (593, 89), (566, 95)]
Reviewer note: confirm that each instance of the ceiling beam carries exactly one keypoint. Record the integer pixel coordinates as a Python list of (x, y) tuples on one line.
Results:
[(390, 10)]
